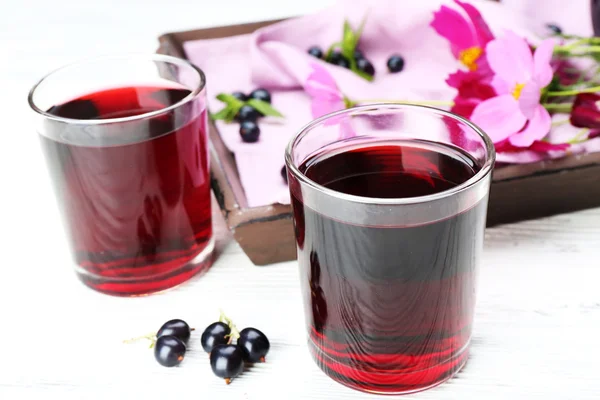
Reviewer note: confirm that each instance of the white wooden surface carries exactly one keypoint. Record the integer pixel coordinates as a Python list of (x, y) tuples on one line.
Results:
[(538, 317)]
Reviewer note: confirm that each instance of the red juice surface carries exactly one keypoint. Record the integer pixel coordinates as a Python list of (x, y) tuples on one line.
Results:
[(389, 309), (137, 213)]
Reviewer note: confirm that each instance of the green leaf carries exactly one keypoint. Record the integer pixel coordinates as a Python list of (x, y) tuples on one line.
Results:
[(222, 114), (360, 29), (232, 106), (229, 100), (331, 49), (264, 107), (349, 41), (227, 114), (364, 75), (235, 108), (351, 38)]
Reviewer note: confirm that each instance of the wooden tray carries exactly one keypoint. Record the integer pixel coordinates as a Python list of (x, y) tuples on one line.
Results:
[(266, 235)]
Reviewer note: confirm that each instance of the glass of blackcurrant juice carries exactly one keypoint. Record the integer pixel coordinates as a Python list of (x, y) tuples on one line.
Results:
[(125, 140), (390, 204)]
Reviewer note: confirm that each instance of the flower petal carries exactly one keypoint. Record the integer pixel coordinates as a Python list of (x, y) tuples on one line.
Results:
[(500, 85), (482, 30), (519, 157), (529, 99), (538, 127), (457, 78), (470, 85), (483, 67), (320, 107), (542, 70), (510, 58), (451, 25), (320, 84), (586, 111), (499, 117), (544, 147), (464, 107)]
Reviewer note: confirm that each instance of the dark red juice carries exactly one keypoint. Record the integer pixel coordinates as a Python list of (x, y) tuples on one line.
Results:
[(136, 202), (389, 309)]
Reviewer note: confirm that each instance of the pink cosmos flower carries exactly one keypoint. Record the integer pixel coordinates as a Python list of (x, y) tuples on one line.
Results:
[(516, 113), (468, 37), (326, 96), (471, 91)]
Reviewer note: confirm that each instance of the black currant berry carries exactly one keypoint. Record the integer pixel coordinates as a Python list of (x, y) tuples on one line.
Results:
[(315, 51), (255, 345), (177, 328), (169, 351), (338, 59), (555, 29), (249, 131), (261, 94), (395, 63), (284, 174), (240, 96), (247, 113), (214, 335), (227, 361), (365, 66)]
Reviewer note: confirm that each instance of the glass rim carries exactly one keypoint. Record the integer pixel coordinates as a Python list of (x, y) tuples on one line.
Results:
[(479, 176), (128, 56)]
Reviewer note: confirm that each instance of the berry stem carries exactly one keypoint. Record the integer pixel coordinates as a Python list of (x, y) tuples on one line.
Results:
[(235, 334), (151, 337)]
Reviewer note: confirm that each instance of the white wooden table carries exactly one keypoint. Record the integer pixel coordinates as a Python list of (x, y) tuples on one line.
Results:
[(538, 316)]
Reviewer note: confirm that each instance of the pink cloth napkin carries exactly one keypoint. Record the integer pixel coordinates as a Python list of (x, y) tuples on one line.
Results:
[(275, 58), (572, 16)]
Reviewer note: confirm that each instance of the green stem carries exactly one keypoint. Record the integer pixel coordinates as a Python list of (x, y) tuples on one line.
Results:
[(579, 136), (559, 123), (587, 51), (573, 92), (417, 103), (577, 45), (558, 107)]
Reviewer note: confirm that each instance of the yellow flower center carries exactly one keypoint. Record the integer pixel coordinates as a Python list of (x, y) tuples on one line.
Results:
[(516, 93), (470, 56)]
